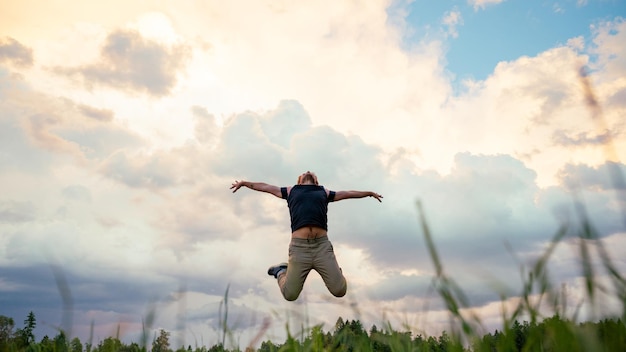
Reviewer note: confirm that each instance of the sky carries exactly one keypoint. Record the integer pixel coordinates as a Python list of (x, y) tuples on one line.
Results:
[(123, 125)]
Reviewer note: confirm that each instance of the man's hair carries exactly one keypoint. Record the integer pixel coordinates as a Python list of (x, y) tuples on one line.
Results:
[(314, 179)]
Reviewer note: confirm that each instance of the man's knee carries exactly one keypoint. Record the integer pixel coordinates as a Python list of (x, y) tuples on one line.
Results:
[(339, 293), (290, 293), (290, 297), (339, 290)]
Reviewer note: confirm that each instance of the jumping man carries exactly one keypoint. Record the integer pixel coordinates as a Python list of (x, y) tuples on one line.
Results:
[(309, 247)]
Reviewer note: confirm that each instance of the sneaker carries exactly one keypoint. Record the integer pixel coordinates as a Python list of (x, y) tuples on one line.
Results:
[(274, 270)]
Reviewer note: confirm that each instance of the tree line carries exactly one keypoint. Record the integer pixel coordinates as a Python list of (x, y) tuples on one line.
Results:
[(551, 334)]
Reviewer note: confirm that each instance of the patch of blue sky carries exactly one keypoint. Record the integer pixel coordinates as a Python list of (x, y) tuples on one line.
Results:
[(483, 37)]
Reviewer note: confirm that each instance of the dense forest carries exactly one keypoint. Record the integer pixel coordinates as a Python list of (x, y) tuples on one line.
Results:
[(552, 334)]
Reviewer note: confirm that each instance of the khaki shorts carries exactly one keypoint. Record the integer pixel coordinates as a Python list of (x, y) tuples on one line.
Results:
[(307, 254)]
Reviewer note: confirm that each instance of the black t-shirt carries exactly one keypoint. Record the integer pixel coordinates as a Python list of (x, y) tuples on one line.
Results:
[(308, 205)]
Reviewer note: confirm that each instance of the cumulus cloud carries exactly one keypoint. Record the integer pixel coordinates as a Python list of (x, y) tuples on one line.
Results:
[(134, 63), (467, 211), (537, 114), (14, 52), (288, 119), (602, 177)]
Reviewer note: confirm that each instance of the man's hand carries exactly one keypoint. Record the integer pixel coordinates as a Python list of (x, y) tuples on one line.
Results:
[(377, 196), (237, 185)]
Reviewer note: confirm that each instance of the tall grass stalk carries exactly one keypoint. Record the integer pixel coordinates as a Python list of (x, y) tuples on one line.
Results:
[(224, 321), (146, 325), (451, 293)]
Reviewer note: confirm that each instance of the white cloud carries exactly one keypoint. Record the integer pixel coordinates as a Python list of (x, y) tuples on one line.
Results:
[(607, 39), (482, 4), (577, 43), (557, 8), (535, 110), (451, 20)]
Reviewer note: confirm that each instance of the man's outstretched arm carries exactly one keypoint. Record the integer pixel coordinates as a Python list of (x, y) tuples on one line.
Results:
[(257, 186), (340, 195)]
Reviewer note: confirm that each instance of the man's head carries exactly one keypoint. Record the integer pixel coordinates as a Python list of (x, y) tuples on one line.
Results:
[(308, 178)]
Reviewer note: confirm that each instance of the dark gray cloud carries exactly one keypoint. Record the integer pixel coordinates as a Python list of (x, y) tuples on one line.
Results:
[(12, 211), (485, 201), (599, 193), (563, 138), (15, 52), (53, 292), (106, 292), (606, 177), (62, 297), (396, 286), (104, 115), (130, 61), (487, 218)]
